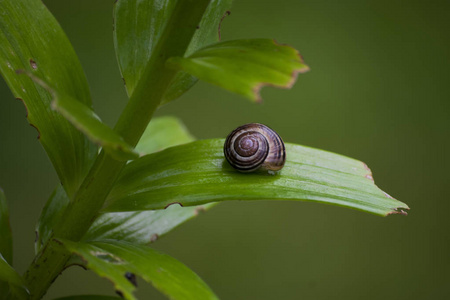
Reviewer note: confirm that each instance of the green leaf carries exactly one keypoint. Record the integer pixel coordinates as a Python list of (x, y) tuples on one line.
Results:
[(137, 28), (6, 247), (161, 133), (119, 261), (10, 276), (141, 227), (32, 40), (49, 217), (197, 173), (84, 118), (144, 227), (244, 66), (88, 297)]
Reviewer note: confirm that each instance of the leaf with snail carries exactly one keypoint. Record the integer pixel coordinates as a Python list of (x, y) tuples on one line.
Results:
[(197, 173)]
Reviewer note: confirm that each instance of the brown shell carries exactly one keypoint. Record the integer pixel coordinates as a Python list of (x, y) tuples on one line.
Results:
[(253, 146)]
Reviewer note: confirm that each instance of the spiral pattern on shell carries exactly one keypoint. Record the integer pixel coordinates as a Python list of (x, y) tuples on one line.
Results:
[(253, 146)]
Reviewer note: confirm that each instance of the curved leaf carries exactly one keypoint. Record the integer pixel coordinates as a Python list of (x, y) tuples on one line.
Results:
[(119, 261), (137, 28), (28, 35), (141, 227), (197, 173), (5, 230), (84, 118), (144, 227), (244, 66)]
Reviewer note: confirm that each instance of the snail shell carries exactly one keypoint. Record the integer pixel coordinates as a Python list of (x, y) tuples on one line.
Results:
[(253, 146)]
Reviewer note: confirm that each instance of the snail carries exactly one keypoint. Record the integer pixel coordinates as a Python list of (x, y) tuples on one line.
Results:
[(254, 146)]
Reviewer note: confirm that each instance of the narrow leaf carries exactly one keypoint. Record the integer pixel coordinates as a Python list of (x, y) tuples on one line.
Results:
[(32, 40), (10, 276), (84, 118), (244, 66), (197, 173), (141, 227), (120, 261), (49, 217), (144, 227), (137, 29), (5, 230)]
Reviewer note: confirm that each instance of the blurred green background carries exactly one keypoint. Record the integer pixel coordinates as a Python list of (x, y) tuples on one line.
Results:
[(378, 91)]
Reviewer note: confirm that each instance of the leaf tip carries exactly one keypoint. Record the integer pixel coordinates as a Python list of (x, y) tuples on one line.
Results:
[(300, 69), (398, 211), (257, 92)]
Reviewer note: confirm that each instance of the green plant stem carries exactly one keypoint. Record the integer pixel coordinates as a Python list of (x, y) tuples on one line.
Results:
[(90, 197)]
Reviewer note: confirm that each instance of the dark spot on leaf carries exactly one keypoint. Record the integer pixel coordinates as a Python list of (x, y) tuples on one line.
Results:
[(131, 278), (154, 237), (36, 238), (39, 133), (173, 204), (33, 64), (198, 27), (226, 14), (124, 82)]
